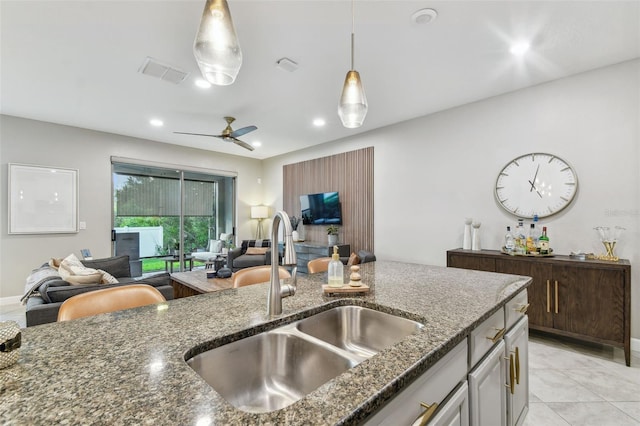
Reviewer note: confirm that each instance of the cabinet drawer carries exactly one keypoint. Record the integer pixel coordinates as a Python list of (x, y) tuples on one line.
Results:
[(515, 309), (484, 336), (432, 386)]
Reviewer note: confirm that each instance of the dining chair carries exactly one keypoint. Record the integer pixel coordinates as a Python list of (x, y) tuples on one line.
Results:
[(256, 275), (109, 300)]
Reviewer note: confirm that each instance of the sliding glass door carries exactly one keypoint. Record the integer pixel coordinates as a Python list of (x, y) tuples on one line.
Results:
[(170, 213)]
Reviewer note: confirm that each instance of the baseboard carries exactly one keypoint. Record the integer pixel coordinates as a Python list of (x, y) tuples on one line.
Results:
[(635, 345), (11, 300)]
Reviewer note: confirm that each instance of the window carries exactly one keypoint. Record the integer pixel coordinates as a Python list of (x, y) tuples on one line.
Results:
[(173, 212)]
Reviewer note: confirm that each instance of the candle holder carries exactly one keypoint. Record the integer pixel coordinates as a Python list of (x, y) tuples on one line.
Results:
[(609, 237)]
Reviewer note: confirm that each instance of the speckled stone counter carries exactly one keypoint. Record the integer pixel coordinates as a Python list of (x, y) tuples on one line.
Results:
[(129, 367)]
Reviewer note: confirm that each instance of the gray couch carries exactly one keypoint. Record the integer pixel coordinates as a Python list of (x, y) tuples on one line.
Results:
[(46, 291), (238, 258)]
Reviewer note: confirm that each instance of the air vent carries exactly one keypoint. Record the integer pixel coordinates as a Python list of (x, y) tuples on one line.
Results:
[(157, 69)]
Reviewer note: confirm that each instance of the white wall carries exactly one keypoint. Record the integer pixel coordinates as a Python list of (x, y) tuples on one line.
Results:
[(432, 172), (36, 142)]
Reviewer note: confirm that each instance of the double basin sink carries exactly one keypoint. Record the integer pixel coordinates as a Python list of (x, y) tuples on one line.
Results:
[(275, 368)]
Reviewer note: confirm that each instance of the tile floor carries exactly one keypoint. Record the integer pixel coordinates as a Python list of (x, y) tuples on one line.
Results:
[(571, 383)]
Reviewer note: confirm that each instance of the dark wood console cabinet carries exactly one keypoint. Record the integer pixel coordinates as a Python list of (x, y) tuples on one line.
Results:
[(588, 300)]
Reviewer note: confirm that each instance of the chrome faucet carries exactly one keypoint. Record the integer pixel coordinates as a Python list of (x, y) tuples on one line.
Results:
[(277, 291)]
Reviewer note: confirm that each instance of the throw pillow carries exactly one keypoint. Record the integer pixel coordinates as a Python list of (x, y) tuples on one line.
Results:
[(74, 272), (215, 246), (257, 250)]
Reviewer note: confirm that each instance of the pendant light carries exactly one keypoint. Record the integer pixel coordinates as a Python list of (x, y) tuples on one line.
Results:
[(216, 46), (352, 108)]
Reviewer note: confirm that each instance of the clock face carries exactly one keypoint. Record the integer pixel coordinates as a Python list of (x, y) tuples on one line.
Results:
[(536, 184)]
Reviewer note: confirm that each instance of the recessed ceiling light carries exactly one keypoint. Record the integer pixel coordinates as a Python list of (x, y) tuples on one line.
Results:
[(424, 16), (256, 143), (319, 122), (519, 48), (156, 122), (203, 84)]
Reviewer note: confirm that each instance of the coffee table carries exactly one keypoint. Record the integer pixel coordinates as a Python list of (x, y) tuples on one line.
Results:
[(192, 283)]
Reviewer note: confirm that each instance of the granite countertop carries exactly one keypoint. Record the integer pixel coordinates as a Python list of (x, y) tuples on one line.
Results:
[(129, 366)]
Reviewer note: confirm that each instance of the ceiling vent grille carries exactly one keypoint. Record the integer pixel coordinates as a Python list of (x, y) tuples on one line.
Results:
[(157, 69)]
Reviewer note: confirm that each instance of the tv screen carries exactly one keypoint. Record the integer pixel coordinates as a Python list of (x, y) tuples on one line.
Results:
[(321, 209)]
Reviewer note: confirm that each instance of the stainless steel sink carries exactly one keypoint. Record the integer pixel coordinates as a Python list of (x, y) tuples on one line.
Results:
[(276, 368), (268, 371), (358, 330)]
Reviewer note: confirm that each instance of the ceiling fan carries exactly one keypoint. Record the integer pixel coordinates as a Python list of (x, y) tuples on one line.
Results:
[(228, 134)]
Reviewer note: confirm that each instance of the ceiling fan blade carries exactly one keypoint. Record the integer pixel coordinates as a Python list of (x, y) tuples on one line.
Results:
[(243, 144), (198, 134), (242, 131)]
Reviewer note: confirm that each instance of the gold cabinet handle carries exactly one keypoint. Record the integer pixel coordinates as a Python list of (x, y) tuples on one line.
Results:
[(556, 296), (517, 365), (426, 414), (548, 296), (522, 309), (512, 374), (498, 335)]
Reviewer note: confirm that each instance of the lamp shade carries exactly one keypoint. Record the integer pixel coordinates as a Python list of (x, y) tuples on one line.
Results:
[(259, 212), (352, 108), (216, 46)]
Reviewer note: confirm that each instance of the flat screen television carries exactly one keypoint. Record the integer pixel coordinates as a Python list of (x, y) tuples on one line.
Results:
[(321, 209)]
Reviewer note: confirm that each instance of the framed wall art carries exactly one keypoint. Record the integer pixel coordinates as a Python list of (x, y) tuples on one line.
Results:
[(42, 199)]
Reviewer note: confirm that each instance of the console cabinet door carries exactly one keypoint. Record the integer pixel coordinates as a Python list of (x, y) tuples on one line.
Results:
[(517, 348), (590, 301), (487, 398), (540, 298)]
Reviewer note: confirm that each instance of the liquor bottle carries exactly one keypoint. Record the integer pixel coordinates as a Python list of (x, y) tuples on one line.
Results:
[(509, 243), (544, 241), (520, 238), (532, 240)]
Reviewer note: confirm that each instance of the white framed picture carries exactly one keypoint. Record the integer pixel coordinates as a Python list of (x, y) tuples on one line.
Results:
[(42, 199)]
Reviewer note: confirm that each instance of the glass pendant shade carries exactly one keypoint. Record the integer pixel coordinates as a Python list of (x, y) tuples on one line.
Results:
[(352, 108), (216, 46)]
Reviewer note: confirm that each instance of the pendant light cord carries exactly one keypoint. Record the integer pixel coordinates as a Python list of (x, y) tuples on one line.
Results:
[(353, 30)]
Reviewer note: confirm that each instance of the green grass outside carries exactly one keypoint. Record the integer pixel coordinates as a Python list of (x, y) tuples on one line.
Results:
[(156, 265)]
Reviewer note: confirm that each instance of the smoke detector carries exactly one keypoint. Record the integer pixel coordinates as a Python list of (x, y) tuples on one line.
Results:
[(424, 16)]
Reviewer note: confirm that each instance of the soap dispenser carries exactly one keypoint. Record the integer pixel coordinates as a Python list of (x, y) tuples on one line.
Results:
[(336, 270)]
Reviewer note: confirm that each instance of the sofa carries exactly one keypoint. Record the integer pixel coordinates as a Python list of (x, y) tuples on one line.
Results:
[(46, 290), (250, 253)]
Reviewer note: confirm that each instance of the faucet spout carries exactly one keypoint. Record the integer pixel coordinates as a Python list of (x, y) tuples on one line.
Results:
[(276, 291)]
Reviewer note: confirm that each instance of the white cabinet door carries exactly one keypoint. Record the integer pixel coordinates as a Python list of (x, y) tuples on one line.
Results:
[(517, 348), (487, 398), (455, 412), (431, 387)]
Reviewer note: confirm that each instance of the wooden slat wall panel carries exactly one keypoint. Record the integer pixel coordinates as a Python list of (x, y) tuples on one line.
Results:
[(349, 173)]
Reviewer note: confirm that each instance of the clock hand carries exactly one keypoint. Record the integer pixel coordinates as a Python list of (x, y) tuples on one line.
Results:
[(533, 187), (534, 179)]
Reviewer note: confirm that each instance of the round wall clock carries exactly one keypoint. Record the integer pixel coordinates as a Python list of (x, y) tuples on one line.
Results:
[(536, 184)]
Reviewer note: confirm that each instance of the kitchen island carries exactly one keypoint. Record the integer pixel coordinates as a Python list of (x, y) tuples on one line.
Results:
[(129, 367)]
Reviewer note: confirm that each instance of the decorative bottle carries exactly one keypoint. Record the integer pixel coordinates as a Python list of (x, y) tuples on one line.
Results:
[(544, 241), (466, 241), (336, 270), (475, 239), (509, 243)]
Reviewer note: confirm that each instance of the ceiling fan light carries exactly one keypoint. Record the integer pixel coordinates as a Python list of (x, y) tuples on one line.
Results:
[(353, 106), (216, 47)]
